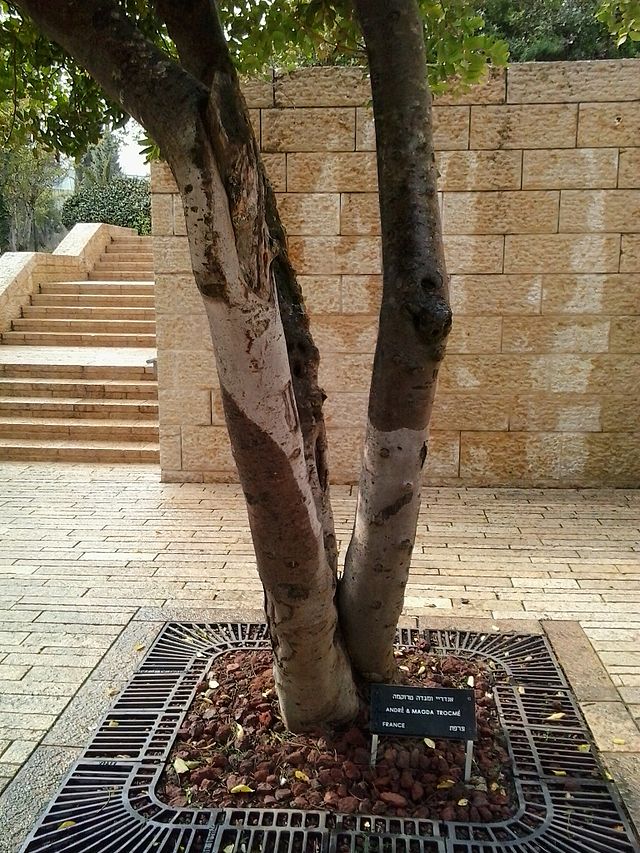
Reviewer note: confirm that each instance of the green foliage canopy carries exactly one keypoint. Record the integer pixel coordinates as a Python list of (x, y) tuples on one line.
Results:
[(53, 100), (123, 201), (622, 18)]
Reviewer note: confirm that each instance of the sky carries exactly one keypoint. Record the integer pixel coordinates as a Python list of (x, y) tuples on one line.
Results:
[(130, 158)]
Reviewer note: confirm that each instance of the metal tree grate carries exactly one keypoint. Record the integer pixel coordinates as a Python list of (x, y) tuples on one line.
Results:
[(108, 803)]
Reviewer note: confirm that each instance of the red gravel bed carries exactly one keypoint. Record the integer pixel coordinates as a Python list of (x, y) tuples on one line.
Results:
[(233, 751)]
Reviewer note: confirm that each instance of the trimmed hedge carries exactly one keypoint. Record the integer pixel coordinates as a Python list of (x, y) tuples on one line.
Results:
[(123, 201)]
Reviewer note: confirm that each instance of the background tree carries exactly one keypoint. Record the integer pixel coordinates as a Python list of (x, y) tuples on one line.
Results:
[(30, 179), (99, 165), (172, 68), (541, 30)]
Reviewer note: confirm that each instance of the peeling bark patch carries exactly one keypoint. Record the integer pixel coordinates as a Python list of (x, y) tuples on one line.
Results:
[(423, 454), (394, 508)]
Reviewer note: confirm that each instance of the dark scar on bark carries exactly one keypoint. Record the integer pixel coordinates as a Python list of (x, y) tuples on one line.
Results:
[(386, 513)]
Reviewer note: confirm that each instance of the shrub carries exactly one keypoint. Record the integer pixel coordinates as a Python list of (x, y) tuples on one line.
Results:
[(123, 201)]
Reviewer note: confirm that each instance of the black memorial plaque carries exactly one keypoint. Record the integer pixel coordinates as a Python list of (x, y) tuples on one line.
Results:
[(420, 712)]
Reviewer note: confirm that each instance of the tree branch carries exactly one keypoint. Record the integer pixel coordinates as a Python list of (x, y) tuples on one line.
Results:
[(207, 58), (131, 70), (415, 319), (195, 30)]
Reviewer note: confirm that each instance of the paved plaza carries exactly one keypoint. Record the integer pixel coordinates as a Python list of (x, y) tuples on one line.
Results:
[(94, 559)]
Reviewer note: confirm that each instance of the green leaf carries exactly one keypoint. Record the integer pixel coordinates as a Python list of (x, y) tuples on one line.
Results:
[(67, 824), (241, 789)]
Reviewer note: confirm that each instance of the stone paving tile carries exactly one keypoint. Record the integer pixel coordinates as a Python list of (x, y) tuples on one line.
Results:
[(94, 558)]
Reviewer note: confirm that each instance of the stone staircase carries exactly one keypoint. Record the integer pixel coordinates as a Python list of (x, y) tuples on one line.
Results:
[(75, 384)]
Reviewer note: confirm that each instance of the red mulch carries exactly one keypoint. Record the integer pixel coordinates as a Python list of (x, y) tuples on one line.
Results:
[(233, 736)]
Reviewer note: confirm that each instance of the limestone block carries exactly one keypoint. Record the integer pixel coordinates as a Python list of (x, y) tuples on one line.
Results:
[(162, 214), (310, 213), (254, 118), (257, 93), (629, 173), (276, 168), (170, 448), (533, 211), (450, 128), (515, 373), (346, 172), (621, 412), (552, 334), (359, 213), (361, 294), (345, 453), (491, 90), (179, 221), (217, 409), (309, 129), (206, 449), (530, 126), (335, 255), (177, 294), (345, 334), (588, 168), (184, 332), (322, 293), (510, 458), (591, 294), (161, 178), (558, 253), (186, 368), (601, 459), (630, 255), (346, 408), (184, 406), (479, 170), (555, 413), (495, 294), (322, 87), (614, 373), (475, 334), (443, 456), (471, 254), (600, 210), (608, 125), (340, 372), (563, 82), (625, 335), (171, 255), (470, 411)]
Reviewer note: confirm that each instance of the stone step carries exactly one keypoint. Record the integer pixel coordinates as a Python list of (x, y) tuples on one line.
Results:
[(88, 312), (120, 429), (124, 326), (86, 389), (80, 339), (109, 275), (93, 372), (130, 262), (48, 407), (129, 249), (111, 257), (42, 450), (91, 300), (100, 287)]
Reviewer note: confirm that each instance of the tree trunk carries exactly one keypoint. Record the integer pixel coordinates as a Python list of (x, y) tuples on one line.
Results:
[(312, 673), (205, 135), (415, 319)]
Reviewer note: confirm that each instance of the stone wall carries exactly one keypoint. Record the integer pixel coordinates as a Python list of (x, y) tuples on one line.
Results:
[(540, 180)]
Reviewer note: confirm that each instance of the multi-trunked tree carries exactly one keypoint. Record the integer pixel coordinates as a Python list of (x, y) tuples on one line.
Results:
[(171, 66)]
